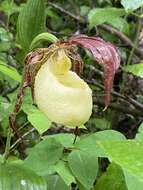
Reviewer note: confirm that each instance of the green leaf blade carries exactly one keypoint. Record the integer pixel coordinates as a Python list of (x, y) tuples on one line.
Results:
[(31, 22), (131, 5), (139, 135), (43, 157), (128, 155), (84, 167), (63, 170), (112, 179), (39, 121), (17, 177), (10, 71), (101, 15), (136, 69), (56, 183), (89, 143)]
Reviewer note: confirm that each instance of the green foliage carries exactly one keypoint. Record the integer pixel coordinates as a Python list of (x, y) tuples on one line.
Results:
[(44, 155), (9, 7), (89, 144), (63, 170), (17, 177), (39, 120), (100, 123), (56, 183), (136, 69), (65, 139), (139, 135), (31, 22), (132, 182), (127, 154), (131, 5), (5, 39), (112, 179), (103, 15), (10, 71), (84, 167), (5, 110)]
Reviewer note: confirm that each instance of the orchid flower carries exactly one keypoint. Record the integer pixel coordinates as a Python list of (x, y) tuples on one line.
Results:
[(57, 90)]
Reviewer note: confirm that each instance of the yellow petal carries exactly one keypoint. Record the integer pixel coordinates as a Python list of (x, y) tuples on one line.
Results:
[(61, 94)]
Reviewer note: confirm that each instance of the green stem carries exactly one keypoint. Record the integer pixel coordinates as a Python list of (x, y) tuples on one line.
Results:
[(7, 148), (135, 42)]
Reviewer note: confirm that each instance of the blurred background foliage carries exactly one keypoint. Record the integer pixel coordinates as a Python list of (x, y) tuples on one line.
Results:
[(117, 21)]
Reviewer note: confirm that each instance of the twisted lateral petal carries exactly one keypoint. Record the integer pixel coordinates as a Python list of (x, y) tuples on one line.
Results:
[(61, 94), (106, 54)]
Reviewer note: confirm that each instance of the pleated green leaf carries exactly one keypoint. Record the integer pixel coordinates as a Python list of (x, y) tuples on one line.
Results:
[(16, 177), (31, 22)]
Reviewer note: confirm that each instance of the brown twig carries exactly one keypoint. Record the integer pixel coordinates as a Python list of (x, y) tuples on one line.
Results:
[(77, 18), (132, 101), (125, 109), (22, 137), (122, 37), (17, 106), (138, 106)]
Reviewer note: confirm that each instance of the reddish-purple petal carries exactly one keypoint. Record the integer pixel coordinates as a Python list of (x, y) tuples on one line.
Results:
[(104, 53)]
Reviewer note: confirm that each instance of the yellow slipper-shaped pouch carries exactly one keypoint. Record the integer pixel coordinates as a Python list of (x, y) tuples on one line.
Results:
[(60, 93)]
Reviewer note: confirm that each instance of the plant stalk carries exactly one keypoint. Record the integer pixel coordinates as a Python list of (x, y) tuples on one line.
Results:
[(7, 148)]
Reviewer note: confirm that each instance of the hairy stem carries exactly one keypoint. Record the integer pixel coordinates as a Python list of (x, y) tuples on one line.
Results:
[(12, 116)]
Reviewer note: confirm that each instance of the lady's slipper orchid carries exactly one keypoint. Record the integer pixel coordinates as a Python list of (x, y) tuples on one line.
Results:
[(59, 92)]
